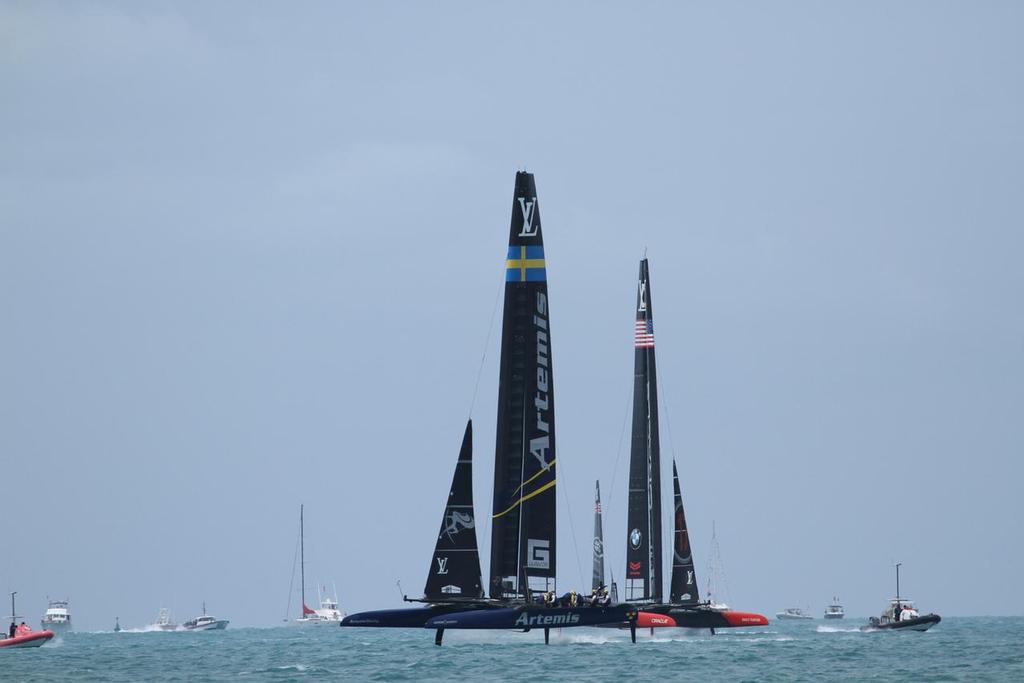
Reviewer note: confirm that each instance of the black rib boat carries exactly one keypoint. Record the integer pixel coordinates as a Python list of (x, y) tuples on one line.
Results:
[(901, 615)]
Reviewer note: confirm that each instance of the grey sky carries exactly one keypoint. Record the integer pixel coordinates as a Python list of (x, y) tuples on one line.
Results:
[(248, 256)]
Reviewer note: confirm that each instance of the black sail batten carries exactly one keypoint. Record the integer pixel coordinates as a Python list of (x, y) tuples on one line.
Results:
[(683, 590), (598, 577), (523, 521), (455, 566), (643, 540)]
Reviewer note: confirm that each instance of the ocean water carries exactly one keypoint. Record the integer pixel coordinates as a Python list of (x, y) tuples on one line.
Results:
[(958, 649)]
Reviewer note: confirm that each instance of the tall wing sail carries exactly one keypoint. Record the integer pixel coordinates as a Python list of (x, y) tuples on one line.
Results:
[(684, 579), (523, 523), (455, 567), (598, 579), (643, 541)]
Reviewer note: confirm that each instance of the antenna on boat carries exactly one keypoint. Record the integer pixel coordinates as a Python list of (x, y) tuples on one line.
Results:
[(898, 582), (14, 616), (400, 591)]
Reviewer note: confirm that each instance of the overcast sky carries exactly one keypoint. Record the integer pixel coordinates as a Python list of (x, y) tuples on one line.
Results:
[(249, 255)]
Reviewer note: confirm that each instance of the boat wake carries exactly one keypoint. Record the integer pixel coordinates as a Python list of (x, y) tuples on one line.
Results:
[(836, 629)]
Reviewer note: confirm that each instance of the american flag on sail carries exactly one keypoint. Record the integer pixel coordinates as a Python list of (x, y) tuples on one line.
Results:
[(644, 337)]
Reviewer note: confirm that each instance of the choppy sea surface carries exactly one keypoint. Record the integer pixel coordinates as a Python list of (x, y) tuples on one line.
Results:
[(958, 649)]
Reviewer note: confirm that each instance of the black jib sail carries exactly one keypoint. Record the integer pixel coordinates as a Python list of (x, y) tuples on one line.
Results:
[(523, 523), (643, 542), (455, 566), (683, 590), (598, 579)]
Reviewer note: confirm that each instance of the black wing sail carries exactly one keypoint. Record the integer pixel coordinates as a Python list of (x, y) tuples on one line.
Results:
[(523, 523), (598, 578), (643, 540), (684, 579), (455, 567)]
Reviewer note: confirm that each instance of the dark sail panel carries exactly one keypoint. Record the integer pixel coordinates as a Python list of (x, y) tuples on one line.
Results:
[(598, 578), (455, 567), (643, 540), (684, 579), (523, 523)]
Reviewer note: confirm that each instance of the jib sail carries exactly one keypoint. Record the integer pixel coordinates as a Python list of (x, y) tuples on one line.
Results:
[(455, 567), (523, 523), (683, 589), (643, 541)]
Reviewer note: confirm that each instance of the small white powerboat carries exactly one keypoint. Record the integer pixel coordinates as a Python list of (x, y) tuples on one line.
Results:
[(835, 610), (164, 622), (205, 622), (793, 613)]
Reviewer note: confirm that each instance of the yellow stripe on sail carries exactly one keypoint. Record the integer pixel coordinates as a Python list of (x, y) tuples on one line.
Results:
[(543, 471), (528, 496)]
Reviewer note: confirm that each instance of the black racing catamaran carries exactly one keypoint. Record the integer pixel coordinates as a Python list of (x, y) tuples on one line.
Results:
[(644, 539), (523, 523), (523, 527)]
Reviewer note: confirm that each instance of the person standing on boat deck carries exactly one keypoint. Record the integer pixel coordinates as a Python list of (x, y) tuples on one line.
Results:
[(896, 612), (13, 629)]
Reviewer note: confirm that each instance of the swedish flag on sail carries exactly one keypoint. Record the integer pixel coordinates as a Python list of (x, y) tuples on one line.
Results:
[(525, 264)]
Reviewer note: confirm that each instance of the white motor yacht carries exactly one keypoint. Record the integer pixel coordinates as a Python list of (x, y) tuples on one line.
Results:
[(793, 613), (327, 615), (205, 622), (835, 610), (57, 617), (163, 621)]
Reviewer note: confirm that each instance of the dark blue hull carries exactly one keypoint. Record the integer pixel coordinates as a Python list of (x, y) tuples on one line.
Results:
[(409, 617), (525, 618)]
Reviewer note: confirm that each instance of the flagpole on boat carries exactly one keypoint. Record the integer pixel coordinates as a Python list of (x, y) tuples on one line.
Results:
[(898, 582)]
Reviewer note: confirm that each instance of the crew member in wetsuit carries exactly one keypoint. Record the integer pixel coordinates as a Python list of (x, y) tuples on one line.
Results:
[(13, 629), (896, 612)]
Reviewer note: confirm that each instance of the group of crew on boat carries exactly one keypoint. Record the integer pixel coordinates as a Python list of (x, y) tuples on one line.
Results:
[(903, 612), (599, 597)]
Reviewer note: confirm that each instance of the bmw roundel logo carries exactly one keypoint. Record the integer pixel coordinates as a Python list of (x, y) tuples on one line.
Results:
[(634, 538)]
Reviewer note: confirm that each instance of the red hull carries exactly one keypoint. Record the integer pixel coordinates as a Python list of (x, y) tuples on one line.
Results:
[(33, 639), (700, 619), (745, 619), (652, 620)]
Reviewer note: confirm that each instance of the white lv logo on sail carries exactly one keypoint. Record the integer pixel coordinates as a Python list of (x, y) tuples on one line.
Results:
[(527, 208), (442, 566)]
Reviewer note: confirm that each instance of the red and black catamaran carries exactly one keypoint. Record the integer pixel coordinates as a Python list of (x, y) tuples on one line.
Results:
[(643, 540)]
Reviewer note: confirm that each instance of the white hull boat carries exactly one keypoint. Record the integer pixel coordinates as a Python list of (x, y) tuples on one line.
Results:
[(205, 622), (328, 613), (793, 613), (835, 610)]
